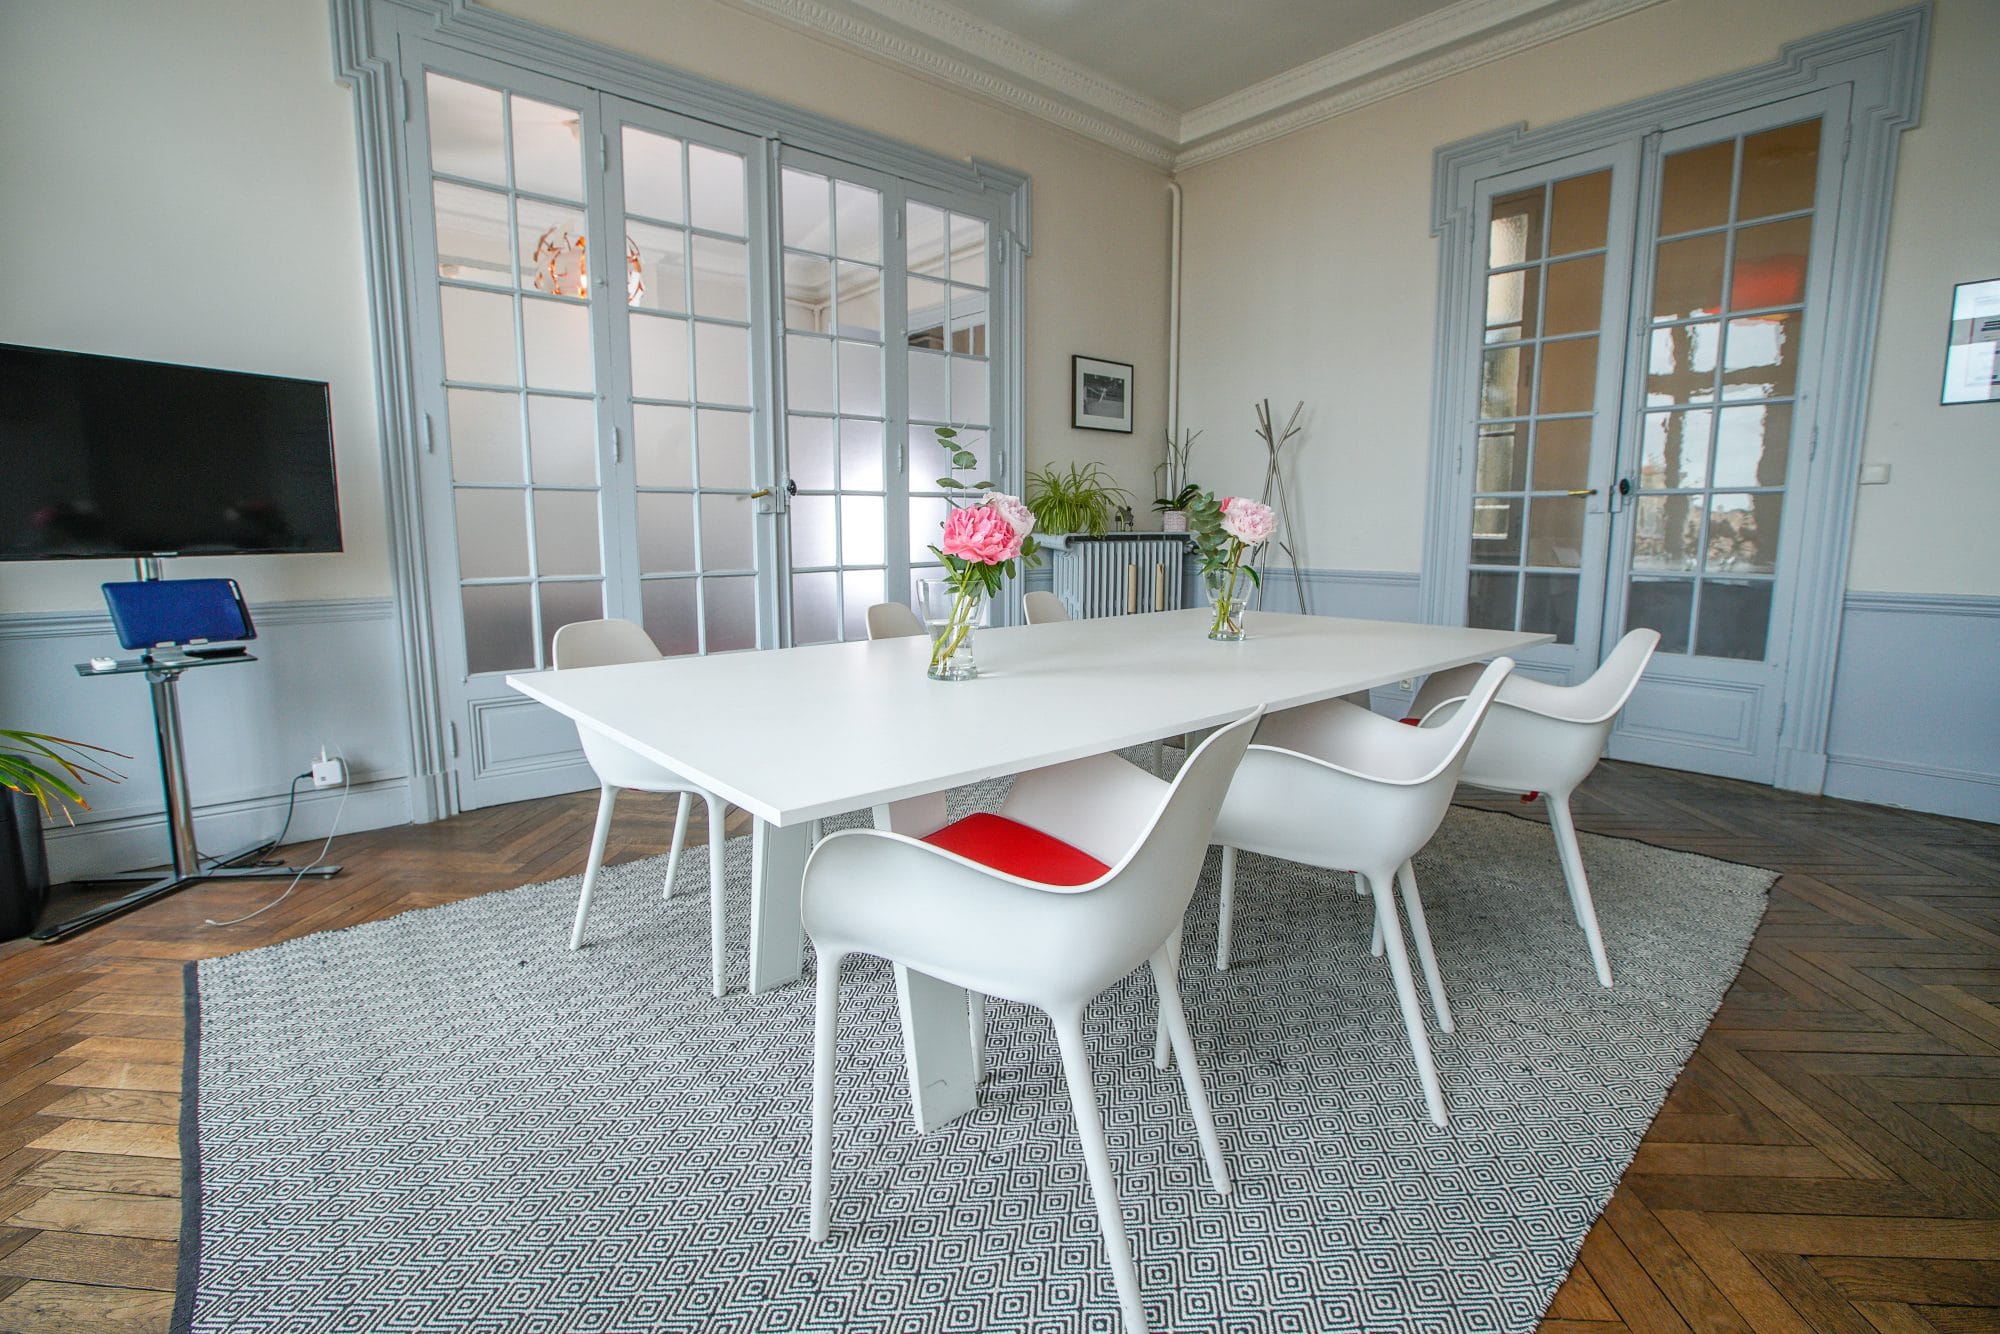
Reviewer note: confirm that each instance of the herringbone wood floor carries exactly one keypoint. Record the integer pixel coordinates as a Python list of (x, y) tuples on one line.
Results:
[(1829, 1160)]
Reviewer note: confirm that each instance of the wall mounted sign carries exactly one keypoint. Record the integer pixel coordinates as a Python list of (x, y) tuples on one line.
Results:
[(1972, 357)]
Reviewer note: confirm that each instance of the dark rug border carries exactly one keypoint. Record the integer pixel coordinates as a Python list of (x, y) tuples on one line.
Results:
[(187, 1268)]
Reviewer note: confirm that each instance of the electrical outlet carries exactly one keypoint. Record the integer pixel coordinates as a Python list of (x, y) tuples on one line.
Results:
[(328, 773)]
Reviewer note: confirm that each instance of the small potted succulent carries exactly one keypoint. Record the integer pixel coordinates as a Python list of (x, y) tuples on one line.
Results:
[(38, 772)]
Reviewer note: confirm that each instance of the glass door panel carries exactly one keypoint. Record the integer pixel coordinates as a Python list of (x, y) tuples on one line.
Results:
[(949, 367)]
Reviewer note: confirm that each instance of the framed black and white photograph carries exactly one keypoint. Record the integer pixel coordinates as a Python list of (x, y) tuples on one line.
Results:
[(1972, 352), (1102, 395)]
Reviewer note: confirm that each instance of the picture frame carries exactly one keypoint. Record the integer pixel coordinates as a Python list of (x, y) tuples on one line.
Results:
[(1100, 395), (1972, 346)]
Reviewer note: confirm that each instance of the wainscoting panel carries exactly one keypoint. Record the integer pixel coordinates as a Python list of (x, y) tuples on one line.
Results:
[(327, 673), (1916, 704)]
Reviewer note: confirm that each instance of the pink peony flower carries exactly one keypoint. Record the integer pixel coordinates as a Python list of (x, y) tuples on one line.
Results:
[(1247, 521), (1012, 510), (981, 535)]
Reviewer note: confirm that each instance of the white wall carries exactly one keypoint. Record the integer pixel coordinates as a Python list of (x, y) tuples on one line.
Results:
[(1311, 274)]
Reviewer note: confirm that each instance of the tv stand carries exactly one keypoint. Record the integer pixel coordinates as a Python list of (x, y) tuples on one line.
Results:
[(163, 670)]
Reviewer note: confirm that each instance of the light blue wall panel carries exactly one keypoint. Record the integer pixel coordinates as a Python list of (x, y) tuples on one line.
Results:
[(327, 673)]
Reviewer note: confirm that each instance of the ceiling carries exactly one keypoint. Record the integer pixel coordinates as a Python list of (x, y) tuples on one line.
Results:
[(1175, 82)]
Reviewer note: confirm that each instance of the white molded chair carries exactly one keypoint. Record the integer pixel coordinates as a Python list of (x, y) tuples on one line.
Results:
[(892, 620), (1055, 947), (1545, 738), (1339, 787), (1042, 608), (603, 644)]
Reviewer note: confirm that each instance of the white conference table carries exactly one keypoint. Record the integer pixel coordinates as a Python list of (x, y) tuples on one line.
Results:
[(794, 735)]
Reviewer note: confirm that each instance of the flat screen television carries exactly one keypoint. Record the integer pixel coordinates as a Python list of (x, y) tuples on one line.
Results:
[(105, 456)]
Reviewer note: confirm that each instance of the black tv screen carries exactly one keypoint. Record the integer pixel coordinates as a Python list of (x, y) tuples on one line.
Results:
[(104, 456)]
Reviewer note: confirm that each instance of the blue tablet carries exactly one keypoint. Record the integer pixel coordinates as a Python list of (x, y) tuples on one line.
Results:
[(178, 611)]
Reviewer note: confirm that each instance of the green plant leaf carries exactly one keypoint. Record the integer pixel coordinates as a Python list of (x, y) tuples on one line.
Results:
[(946, 433), (983, 486), (951, 483), (964, 459)]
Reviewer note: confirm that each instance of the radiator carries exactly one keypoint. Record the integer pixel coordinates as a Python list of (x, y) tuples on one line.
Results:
[(1118, 574)]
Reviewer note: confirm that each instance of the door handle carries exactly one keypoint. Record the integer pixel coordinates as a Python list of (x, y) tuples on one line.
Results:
[(1580, 494), (1624, 486), (760, 494)]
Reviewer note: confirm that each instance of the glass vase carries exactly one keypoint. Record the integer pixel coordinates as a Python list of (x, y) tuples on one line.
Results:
[(1228, 598), (950, 617)]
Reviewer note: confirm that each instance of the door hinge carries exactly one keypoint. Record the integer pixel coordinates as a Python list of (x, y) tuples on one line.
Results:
[(617, 445), (1846, 140), (430, 435), (403, 96), (604, 152), (1812, 448), (451, 738), (1782, 706), (896, 224)]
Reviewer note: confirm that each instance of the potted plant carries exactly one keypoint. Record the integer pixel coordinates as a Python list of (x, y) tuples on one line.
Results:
[(1174, 509), (1177, 493), (38, 772), (1079, 498)]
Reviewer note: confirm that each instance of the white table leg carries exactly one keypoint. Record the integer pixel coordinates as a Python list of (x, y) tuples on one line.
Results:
[(937, 1049), (777, 884)]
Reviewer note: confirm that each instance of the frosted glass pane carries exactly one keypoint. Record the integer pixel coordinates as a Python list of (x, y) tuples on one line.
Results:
[(861, 379), (472, 235), (1760, 357), (550, 241), (1667, 533), (565, 603), (1555, 532), (930, 398), (1575, 301), (1694, 188), (1489, 600), (813, 541), (1515, 235), (666, 532), (1688, 277), (1505, 377), (548, 149), (1674, 449), (557, 334), (809, 374), (860, 590), (815, 608), (653, 175), (969, 404), (1771, 264), (860, 301), (499, 628), (1681, 363), (721, 278), (715, 184), (861, 455), (808, 293), (926, 245), (729, 606), (1743, 532), (663, 267), (1735, 619), (478, 336), (1500, 458), (722, 364), (968, 251), (727, 538), (1511, 301), (927, 313), (467, 137), (662, 455), (968, 321), (659, 357), (1562, 454), (1548, 605), (725, 449), (492, 534), (810, 445), (566, 533), (861, 530), (1664, 605), (927, 515), (485, 435), (1780, 171), (1569, 376), (807, 219), (1578, 211), (562, 440), (1752, 445), (1496, 532), (860, 217), (667, 609)]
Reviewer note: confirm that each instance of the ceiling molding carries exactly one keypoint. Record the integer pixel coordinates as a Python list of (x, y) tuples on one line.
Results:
[(1150, 132), (953, 48), (1366, 91)]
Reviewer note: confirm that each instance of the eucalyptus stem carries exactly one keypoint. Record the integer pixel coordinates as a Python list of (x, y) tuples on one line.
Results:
[(957, 627)]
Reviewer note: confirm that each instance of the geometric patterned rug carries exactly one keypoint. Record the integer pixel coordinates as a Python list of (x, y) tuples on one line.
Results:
[(448, 1120)]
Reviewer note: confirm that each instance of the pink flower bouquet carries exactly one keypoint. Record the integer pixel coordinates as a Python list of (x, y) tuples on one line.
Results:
[(1224, 531), (987, 535)]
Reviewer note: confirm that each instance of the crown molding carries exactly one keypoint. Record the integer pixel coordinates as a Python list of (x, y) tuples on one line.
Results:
[(1136, 126), (951, 47)]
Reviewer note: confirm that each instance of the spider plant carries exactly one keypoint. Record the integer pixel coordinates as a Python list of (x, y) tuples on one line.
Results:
[(51, 768), (1079, 498)]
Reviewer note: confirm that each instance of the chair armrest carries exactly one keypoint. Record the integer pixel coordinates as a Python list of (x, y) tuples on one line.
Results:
[(1368, 745), (1101, 804)]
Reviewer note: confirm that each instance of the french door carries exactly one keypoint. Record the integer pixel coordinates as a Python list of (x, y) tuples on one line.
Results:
[(1652, 315), (664, 377)]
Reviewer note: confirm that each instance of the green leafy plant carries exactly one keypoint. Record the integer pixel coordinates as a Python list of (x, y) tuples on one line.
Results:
[(1171, 476), (1180, 500), (1079, 498), (50, 768)]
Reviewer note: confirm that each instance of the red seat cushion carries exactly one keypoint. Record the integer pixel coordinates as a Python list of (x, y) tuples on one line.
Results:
[(1012, 848)]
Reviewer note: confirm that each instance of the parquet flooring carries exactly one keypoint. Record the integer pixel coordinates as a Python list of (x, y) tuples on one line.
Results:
[(1829, 1160)]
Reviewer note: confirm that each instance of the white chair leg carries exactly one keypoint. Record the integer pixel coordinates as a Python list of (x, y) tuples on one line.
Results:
[(1097, 1163), (1406, 996), (1226, 910), (1171, 952), (1420, 930), (1167, 979), (1579, 885), (718, 838), (607, 797), (975, 1015), (825, 1029), (680, 841)]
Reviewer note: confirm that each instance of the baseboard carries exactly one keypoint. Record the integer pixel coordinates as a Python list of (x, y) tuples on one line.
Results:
[(129, 842), (1965, 794)]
